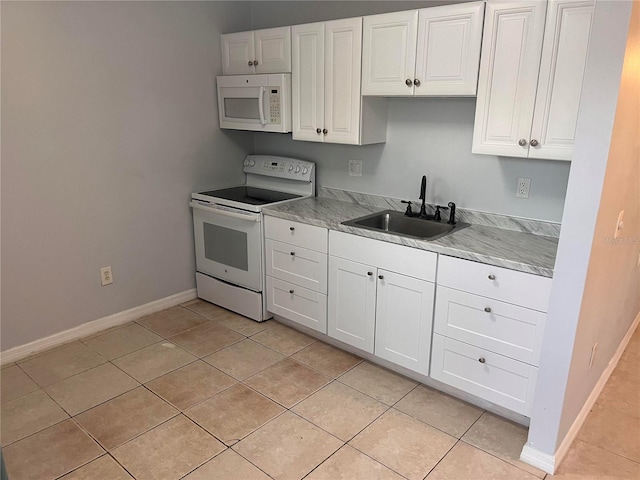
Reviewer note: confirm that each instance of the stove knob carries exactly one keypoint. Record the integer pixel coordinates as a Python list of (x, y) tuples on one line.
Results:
[(252, 162), (246, 162), (304, 170), (297, 168), (291, 168)]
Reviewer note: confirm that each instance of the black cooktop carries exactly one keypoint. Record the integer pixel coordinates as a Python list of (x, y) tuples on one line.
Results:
[(250, 195)]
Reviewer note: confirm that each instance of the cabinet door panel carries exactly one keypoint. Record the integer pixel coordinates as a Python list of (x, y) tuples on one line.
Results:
[(389, 53), (273, 50), (404, 313), (237, 51), (343, 54), (352, 303), (564, 57), (308, 81), (511, 51), (448, 49)]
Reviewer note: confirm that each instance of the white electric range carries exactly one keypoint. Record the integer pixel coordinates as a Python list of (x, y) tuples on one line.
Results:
[(229, 233)]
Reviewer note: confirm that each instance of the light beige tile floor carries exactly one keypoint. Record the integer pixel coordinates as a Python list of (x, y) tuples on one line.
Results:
[(197, 392)]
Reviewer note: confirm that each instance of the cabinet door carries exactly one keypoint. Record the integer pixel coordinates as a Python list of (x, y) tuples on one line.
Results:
[(564, 56), (404, 313), (343, 56), (511, 49), (448, 49), (273, 50), (352, 303), (389, 53), (307, 80), (237, 51)]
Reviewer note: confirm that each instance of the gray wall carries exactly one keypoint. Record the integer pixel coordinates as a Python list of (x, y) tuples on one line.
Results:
[(424, 136), (109, 122), (596, 284)]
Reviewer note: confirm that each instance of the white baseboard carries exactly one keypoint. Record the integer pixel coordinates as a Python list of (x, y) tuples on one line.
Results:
[(549, 463), (95, 326)]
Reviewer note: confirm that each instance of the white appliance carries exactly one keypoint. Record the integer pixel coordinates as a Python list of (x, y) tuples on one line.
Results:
[(229, 234), (260, 103)]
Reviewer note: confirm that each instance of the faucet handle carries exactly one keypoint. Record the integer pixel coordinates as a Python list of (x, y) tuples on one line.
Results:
[(437, 217), (452, 215), (408, 211)]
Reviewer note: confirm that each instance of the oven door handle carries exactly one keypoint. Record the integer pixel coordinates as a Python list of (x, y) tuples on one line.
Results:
[(251, 217)]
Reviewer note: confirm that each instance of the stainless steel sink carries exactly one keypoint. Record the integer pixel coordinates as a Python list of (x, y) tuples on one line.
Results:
[(392, 221)]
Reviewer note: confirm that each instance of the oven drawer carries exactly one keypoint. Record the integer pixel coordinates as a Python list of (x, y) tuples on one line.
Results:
[(295, 233), (510, 330), (487, 375), (297, 265), (528, 290), (297, 304)]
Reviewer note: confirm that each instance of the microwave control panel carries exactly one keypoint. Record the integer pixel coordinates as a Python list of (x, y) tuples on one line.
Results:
[(274, 105)]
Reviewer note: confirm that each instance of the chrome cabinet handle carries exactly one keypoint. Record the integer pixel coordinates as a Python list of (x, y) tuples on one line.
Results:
[(408, 82), (381, 277), (416, 82), (292, 228), (255, 62), (534, 143), (522, 142), (481, 360), (318, 131), (491, 276), (291, 292), (487, 309), (293, 253), (325, 131), (250, 63), (370, 273)]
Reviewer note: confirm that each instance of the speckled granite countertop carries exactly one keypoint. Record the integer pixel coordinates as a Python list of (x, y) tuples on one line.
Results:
[(519, 251)]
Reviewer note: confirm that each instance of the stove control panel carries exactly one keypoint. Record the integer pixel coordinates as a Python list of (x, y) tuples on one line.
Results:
[(280, 167)]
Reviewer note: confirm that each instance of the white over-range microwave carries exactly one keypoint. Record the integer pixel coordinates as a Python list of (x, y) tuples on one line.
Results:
[(261, 103)]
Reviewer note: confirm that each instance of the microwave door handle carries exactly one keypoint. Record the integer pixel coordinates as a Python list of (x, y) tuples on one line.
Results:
[(263, 121), (226, 213)]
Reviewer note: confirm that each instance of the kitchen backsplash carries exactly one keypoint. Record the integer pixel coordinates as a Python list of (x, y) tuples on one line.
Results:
[(536, 227)]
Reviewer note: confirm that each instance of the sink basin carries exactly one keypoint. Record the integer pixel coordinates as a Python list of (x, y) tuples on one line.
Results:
[(392, 221)]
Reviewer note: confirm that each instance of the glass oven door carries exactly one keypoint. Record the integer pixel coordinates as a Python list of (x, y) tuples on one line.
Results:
[(229, 244)]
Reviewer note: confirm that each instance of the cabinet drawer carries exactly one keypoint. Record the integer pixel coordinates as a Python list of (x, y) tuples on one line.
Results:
[(297, 265), (525, 289), (388, 256), (510, 330), (487, 375), (295, 233), (297, 304)]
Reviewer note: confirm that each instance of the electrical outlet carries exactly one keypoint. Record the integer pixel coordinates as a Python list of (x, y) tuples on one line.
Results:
[(619, 224), (522, 191), (355, 168), (594, 349), (106, 276)]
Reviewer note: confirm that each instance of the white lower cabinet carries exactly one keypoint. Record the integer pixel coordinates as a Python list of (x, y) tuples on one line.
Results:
[(488, 328), (296, 268), (379, 305)]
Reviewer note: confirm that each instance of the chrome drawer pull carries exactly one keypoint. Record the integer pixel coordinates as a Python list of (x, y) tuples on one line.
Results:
[(293, 253), (292, 228), (487, 309), (381, 277), (481, 360), (291, 292), (492, 277), (370, 273)]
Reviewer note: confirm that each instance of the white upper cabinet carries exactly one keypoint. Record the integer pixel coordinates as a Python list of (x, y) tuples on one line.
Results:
[(326, 74), (429, 52), (259, 51), (531, 78)]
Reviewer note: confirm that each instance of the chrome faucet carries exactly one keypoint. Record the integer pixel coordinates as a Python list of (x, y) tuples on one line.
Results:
[(423, 190)]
